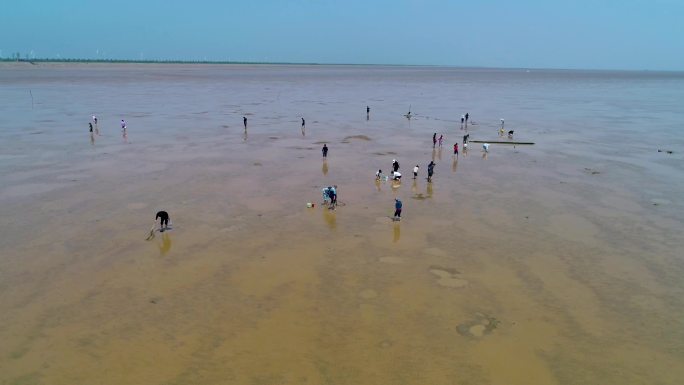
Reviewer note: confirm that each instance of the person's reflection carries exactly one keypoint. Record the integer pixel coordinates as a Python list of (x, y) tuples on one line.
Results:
[(484, 155), (125, 136), (325, 167), (165, 245), (330, 219), (454, 165), (244, 136), (303, 131), (439, 153), (92, 139), (397, 232), (428, 190), (434, 154), (377, 185), (414, 187)]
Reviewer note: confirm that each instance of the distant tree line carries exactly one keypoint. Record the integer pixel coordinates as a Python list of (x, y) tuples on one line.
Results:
[(17, 58)]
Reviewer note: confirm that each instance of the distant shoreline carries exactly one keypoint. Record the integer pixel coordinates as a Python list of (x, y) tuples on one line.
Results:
[(215, 62)]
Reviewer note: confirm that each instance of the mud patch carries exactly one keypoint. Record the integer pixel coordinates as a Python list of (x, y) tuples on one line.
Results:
[(358, 137), (480, 326), (448, 277)]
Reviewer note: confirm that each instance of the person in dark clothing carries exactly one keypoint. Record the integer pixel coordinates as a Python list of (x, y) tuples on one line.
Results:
[(434, 139), (244, 121), (466, 118), (163, 217), (397, 209), (325, 150), (91, 127), (303, 123), (431, 170), (367, 112), (395, 165), (466, 138)]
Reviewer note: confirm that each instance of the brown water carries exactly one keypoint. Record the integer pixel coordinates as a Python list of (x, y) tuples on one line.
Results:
[(558, 263)]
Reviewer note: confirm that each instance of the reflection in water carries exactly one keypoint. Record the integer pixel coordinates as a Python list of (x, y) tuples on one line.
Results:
[(454, 165), (244, 136), (428, 190), (414, 187), (434, 154), (484, 155), (92, 139), (325, 167), (330, 219), (397, 231), (165, 245), (125, 136), (439, 153), (303, 131), (377, 185)]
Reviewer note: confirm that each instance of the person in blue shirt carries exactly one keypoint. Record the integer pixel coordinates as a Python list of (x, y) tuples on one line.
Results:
[(397, 209)]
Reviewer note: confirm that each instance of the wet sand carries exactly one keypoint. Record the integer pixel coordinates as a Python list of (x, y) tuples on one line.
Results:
[(558, 263)]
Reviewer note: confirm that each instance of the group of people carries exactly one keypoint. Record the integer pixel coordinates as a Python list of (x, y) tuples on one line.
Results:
[(464, 119), (435, 140), (94, 125), (329, 194)]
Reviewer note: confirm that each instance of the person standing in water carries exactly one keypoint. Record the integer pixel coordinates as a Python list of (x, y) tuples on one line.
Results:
[(466, 119), (456, 150), (415, 172), (163, 217), (397, 209), (91, 127), (324, 150), (303, 123), (440, 140), (367, 112), (244, 121), (395, 165), (123, 124), (434, 139), (431, 170)]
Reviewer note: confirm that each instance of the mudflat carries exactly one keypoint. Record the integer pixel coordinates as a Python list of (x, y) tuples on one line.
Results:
[(557, 263)]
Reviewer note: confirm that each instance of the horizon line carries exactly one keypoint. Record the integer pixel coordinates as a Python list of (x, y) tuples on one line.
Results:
[(240, 62)]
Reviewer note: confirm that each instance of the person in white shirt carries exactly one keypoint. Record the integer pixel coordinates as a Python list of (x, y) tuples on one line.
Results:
[(396, 175), (415, 172)]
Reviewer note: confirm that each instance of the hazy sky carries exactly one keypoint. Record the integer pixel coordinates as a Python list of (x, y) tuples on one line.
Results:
[(610, 34)]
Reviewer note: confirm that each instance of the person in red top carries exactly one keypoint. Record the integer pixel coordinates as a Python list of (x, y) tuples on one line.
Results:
[(456, 149)]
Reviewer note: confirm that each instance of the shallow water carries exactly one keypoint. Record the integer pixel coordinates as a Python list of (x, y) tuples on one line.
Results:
[(558, 263)]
